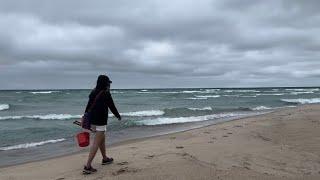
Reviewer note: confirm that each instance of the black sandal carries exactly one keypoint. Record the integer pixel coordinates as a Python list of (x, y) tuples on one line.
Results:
[(88, 170), (107, 161)]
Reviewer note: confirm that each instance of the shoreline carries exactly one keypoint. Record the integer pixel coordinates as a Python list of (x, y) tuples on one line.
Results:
[(140, 139), (282, 144)]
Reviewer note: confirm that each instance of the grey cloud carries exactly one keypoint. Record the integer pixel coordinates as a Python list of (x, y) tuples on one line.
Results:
[(176, 43)]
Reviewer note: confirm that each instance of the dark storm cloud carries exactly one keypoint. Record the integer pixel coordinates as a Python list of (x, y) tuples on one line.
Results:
[(66, 44)]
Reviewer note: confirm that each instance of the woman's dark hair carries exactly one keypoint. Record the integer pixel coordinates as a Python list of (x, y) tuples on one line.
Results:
[(103, 82)]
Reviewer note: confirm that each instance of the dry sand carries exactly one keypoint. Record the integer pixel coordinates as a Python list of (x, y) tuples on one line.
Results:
[(281, 145)]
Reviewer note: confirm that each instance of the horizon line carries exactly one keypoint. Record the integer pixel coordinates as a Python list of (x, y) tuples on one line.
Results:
[(261, 87)]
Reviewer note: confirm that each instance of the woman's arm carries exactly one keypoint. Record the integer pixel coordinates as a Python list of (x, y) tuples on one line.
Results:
[(111, 105), (90, 101)]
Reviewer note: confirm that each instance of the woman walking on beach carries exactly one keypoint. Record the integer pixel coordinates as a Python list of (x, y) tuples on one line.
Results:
[(100, 101)]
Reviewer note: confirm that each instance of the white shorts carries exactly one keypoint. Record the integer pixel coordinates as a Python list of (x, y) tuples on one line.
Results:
[(99, 128)]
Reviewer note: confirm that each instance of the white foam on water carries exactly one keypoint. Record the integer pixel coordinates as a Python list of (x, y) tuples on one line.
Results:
[(144, 113), (147, 92), (32, 144), (306, 89), (161, 121), (259, 108), (192, 91), (302, 101), (302, 92), (201, 109), (55, 116), (209, 96), (247, 90), (249, 96), (271, 94), (43, 92), (144, 90), (241, 90), (4, 107), (235, 95), (117, 92), (197, 98), (164, 92), (170, 92), (207, 91), (70, 116), (228, 91), (44, 117)]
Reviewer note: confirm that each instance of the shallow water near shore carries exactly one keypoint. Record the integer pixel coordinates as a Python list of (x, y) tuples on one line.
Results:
[(37, 124)]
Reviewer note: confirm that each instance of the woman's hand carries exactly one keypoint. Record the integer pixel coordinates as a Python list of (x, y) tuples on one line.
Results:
[(119, 118)]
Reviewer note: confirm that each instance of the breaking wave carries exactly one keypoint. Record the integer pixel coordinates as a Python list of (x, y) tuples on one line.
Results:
[(43, 92), (302, 101), (161, 121), (144, 113), (32, 144), (4, 107)]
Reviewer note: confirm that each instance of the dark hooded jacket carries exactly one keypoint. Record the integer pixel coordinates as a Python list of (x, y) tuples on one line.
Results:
[(99, 111)]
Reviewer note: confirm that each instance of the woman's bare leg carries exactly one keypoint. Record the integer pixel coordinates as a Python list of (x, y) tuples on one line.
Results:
[(94, 148), (103, 147)]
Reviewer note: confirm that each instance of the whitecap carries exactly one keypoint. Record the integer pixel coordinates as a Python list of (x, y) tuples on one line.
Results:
[(259, 108), (197, 98), (192, 91), (32, 144), (271, 94), (209, 96), (201, 109), (43, 92), (302, 92), (4, 107), (43, 117), (248, 96), (235, 95), (160, 121), (228, 91), (207, 91), (302, 101), (303, 89), (117, 92), (144, 113), (247, 90)]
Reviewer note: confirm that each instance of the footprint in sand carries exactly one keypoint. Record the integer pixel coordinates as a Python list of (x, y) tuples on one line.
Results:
[(124, 170), (179, 147), (225, 136), (213, 138), (246, 165), (149, 156), (237, 126), (172, 137), (60, 179), (210, 142), (229, 133), (122, 163), (206, 132), (133, 148)]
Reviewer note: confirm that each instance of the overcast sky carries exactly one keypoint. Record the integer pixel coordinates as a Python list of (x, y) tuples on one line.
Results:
[(159, 43)]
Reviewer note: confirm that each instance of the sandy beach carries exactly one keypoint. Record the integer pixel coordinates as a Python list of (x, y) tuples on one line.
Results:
[(279, 145)]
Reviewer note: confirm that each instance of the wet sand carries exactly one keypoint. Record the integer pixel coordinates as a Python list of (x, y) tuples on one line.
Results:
[(281, 145)]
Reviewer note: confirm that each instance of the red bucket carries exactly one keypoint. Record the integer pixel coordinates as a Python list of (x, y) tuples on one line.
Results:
[(83, 139)]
